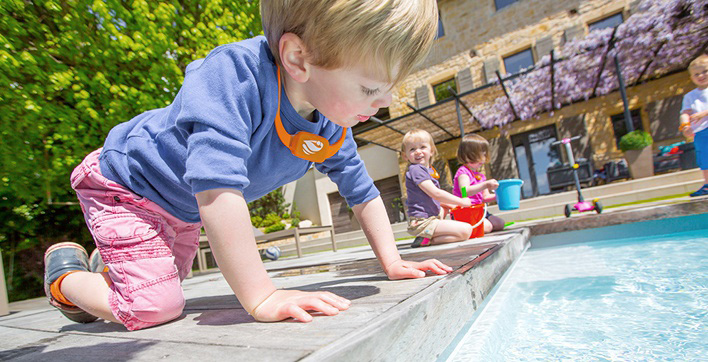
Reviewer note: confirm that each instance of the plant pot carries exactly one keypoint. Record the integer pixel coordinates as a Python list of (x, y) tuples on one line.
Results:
[(641, 163)]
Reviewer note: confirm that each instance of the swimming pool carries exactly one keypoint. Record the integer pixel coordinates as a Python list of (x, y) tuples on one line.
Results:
[(643, 298)]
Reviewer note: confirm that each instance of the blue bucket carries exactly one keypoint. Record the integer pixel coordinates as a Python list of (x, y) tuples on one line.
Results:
[(509, 194)]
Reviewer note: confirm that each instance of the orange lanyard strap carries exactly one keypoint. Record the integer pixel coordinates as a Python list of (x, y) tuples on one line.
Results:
[(306, 145), (477, 175), (435, 173)]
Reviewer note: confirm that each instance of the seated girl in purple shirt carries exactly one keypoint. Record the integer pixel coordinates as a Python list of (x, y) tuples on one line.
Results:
[(473, 153), (425, 197)]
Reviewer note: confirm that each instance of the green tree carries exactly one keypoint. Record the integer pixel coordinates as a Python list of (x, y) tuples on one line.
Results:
[(71, 70)]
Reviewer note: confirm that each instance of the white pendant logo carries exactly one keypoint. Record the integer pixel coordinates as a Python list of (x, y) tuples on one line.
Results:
[(311, 146)]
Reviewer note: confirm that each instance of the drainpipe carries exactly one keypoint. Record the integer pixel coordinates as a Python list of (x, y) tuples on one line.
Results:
[(627, 115)]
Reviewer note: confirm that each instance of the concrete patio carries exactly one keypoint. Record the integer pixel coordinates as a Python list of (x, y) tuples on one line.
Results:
[(388, 320)]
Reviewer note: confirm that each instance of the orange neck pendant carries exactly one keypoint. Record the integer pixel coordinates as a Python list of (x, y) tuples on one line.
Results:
[(306, 145)]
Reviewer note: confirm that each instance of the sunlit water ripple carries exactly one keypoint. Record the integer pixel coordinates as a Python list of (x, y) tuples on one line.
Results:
[(630, 299)]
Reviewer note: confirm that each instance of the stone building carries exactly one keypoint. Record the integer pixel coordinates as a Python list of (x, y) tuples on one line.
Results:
[(480, 40)]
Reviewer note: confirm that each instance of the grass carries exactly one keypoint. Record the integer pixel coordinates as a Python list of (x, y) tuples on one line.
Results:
[(649, 200), (646, 201)]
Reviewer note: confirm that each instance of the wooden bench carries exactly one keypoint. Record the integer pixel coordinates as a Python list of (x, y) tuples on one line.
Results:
[(295, 233), (561, 176)]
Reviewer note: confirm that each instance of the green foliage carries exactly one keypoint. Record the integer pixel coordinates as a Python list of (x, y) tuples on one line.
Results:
[(294, 216), (271, 219), (275, 227), (272, 203), (28, 230), (635, 140), (256, 221), (69, 72)]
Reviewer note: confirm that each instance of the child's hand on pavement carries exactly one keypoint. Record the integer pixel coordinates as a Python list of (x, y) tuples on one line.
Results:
[(403, 269), (492, 184), (283, 304)]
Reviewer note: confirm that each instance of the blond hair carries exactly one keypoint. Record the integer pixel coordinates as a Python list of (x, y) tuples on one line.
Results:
[(419, 135), (473, 148), (700, 62), (394, 35)]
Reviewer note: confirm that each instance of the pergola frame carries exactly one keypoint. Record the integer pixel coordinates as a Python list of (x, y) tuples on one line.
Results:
[(446, 123)]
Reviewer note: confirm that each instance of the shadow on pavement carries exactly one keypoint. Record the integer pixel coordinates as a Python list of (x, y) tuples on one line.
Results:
[(121, 351)]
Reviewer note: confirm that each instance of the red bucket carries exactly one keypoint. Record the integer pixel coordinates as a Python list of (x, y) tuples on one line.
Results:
[(471, 215)]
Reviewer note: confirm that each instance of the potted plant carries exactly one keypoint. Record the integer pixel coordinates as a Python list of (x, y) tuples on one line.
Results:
[(637, 149)]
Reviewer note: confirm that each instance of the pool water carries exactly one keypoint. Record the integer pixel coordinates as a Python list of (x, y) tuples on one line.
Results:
[(629, 299)]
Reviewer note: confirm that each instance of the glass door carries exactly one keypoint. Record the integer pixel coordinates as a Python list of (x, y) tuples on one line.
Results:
[(534, 154)]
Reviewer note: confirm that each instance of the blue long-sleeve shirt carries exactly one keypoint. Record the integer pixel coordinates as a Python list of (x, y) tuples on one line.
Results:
[(219, 132)]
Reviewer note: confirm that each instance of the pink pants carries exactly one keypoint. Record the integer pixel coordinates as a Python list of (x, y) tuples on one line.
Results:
[(148, 251)]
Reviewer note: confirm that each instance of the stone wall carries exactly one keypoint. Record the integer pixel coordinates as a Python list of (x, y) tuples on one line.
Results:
[(476, 33), (597, 113)]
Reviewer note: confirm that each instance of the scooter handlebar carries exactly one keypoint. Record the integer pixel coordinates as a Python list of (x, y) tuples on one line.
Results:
[(565, 140)]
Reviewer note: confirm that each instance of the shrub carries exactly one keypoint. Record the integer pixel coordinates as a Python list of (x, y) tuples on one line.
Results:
[(256, 221), (272, 203), (275, 227), (271, 219), (635, 140)]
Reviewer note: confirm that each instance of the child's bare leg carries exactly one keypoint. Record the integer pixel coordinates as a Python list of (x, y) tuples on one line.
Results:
[(488, 226), (705, 176), (450, 231), (89, 291)]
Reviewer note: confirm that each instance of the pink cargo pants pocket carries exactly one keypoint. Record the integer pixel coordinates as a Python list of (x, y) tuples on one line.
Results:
[(130, 234)]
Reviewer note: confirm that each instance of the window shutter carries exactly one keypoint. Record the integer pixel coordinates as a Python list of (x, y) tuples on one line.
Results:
[(422, 96), (572, 33), (664, 118), (502, 163), (490, 67), (543, 47), (464, 80), (575, 126)]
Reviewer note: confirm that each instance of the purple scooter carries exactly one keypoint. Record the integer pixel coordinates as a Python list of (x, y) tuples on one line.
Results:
[(581, 205)]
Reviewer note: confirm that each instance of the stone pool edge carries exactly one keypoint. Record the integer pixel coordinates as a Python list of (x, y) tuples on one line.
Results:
[(422, 326)]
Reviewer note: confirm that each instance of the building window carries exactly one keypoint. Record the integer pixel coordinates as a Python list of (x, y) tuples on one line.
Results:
[(442, 90), (441, 28), (503, 3), (518, 62), (608, 22), (620, 127)]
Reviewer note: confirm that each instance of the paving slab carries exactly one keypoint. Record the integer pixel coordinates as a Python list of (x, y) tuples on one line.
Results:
[(411, 319), (385, 322)]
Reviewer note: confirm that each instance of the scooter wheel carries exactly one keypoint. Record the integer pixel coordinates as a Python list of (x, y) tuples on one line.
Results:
[(598, 207), (567, 211)]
